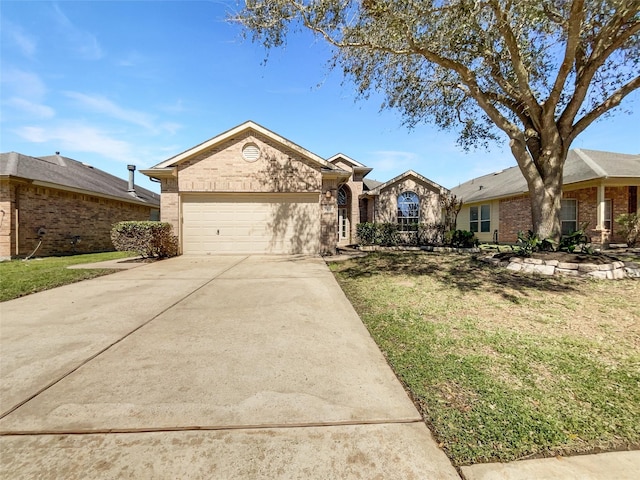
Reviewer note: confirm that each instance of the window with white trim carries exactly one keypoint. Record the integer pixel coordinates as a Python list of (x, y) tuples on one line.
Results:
[(480, 219), (569, 215), (606, 221), (408, 211)]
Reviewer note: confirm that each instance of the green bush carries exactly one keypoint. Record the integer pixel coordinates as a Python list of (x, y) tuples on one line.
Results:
[(431, 233), (460, 239), (630, 227), (148, 239), (385, 234), (530, 242), (577, 240)]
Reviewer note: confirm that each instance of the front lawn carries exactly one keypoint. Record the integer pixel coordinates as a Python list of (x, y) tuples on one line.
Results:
[(505, 366), (22, 277)]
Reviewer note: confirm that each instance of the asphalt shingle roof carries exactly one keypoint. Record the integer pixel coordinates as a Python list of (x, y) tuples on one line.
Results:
[(581, 166), (67, 172)]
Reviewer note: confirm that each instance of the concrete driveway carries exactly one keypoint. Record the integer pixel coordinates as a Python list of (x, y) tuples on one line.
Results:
[(204, 367)]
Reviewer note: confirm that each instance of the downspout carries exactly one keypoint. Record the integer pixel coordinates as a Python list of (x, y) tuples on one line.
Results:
[(16, 204)]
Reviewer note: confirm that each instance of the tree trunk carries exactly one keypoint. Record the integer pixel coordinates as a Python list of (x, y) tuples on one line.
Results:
[(545, 209), (543, 172)]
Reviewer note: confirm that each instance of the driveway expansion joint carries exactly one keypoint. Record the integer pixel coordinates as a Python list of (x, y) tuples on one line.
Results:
[(116, 342), (197, 428)]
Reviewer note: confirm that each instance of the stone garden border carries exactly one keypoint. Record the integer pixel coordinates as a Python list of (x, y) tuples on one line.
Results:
[(608, 271)]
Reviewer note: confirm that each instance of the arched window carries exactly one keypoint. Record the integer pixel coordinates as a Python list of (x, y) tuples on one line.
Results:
[(408, 211), (343, 197)]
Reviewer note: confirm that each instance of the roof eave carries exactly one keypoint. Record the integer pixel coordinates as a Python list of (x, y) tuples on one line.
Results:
[(159, 173), (135, 200), (249, 125)]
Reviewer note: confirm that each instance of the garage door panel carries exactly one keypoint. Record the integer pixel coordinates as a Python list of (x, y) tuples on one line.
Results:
[(251, 223)]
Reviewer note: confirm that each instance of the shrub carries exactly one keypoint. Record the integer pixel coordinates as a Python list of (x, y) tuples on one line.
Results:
[(630, 227), (460, 239), (530, 242), (385, 234), (577, 240), (148, 239), (431, 233)]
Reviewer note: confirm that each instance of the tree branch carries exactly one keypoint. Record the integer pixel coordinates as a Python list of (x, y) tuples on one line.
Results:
[(610, 103), (518, 65), (576, 17), (585, 76)]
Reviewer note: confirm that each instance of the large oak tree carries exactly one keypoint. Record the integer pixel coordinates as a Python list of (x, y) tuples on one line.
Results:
[(540, 71)]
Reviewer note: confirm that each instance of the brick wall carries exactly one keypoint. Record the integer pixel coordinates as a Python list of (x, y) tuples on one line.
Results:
[(223, 169), (73, 222), (515, 216), (386, 208), (515, 213)]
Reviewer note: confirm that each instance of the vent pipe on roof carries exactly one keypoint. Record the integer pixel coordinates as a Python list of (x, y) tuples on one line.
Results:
[(132, 187)]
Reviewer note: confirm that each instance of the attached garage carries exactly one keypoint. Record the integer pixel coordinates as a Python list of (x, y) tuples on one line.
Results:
[(250, 191), (251, 223)]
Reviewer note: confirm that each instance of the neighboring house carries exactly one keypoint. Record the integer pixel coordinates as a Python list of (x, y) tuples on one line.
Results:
[(597, 187), (249, 190), (64, 206)]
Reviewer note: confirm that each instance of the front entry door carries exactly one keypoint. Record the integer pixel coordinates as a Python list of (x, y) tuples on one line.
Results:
[(343, 225)]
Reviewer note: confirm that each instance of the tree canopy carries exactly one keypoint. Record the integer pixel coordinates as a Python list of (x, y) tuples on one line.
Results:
[(539, 71)]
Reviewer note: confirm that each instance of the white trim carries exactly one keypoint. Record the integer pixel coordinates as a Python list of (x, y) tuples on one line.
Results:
[(249, 125)]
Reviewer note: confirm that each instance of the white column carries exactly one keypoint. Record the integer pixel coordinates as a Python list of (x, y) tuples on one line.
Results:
[(600, 208)]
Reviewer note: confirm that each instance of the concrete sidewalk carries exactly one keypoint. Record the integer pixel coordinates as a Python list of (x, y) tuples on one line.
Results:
[(204, 367)]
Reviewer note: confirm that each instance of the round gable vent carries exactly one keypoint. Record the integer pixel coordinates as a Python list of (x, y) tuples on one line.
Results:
[(250, 152)]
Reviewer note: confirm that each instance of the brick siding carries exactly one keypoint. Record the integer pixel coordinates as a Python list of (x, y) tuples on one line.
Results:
[(73, 222), (515, 213)]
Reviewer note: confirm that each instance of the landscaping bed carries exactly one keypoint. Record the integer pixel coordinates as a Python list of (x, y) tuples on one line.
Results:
[(505, 365)]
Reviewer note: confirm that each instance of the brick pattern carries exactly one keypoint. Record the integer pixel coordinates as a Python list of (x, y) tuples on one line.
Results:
[(73, 222), (515, 213), (355, 188), (515, 216), (223, 169), (386, 204)]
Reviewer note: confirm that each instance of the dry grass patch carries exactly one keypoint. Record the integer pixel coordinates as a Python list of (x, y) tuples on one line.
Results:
[(505, 365)]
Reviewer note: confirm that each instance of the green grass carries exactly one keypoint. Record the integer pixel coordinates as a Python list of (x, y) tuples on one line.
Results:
[(505, 366), (22, 277)]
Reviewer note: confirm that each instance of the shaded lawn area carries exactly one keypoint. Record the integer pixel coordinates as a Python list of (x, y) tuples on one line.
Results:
[(22, 277), (505, 366)]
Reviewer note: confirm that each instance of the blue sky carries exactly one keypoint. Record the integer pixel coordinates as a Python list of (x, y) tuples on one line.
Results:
[(117, 82)]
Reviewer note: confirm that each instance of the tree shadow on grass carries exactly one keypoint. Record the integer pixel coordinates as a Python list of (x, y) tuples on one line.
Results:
[(461, 271)]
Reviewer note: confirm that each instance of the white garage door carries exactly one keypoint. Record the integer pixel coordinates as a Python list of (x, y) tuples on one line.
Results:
[(254, 223)]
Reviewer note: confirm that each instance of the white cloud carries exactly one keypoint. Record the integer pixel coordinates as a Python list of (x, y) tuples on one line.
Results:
[(15, 35), (392, 161), (101, 104), (34, 110), (23, 84), (79, 137), (104, 106), (83, 43)]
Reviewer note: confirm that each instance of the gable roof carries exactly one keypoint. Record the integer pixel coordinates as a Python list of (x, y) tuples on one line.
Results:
[(170, 163), (68, 174), (409, 173), (581, 166), (370, 184), (355, 165)]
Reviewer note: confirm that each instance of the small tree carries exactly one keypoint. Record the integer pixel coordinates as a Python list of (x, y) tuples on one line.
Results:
[(629, 227), (538, 71), (451, 207)]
